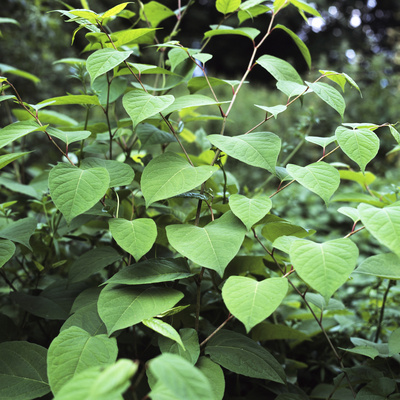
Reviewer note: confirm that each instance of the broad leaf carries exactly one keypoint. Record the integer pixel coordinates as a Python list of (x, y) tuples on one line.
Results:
[(320, 177), (329, 95), (99, 383), (227, 6), (164, 329), (190, 350), (155, 13), (75, 190), (141, 105), (152, 271), (350, 212), (259, 149), (281, 70), (275, 110), (324, 266), (16, 130), (193, 100), (115, 10), (292, 89), (120, 174), (71, 99), (20, 231), (213, 246), (136, 237), (150, 135), (169, 175), (250, 301), (215, 376), (241, 355), (73, 351), (361, 145), (7, 250), (9, 158), (176, 377), (250, 211), (385, 265), (68, 137), (121, 306), (23, 371), (104, 60), (250, 33), (321, 141), (383, 224)]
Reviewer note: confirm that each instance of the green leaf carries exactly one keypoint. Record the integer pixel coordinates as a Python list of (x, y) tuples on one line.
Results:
[(214, 374), (20, 231), (74, 190), (71, 99), (273, 110), (121, 306), (213, 246), (115, 10), (303, 6), (120, 174), (17, 130), (227, 6), (169, 175), (99, 383), (8, 69), (149, 135), (363, 179), (320, 177), (241, 355), (200, 82), (366, 350), (383, 224), (250, 301), (395, 133), (190, 350), (321, 141), (329, 95), (136, 237), (385, 265), (104, 60), (250, 211), (193, 100), (324, 266), (250, 33), (299, 43), (177, 378), (267, 331), (152, 271), (281, 70), (292, 89), (251, 10), (350, 212), (8, 21), (73, 351), (394, 342), (361, 145), (68, 137), (259, 149), (91, 262), (155, 13), (7, 250), (336, 77), (23, 372), (141, 105), (164, 329)]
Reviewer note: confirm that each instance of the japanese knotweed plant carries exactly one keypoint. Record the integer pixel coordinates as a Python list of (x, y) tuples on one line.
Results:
[(136, 266)]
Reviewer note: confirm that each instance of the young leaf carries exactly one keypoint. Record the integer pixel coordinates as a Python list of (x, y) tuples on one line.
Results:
[(324, 266), (23, 372), (161, 327), (250, 301), (259, 149), (17, 130), (169, 175), (329, 95), (177, 378), (213, 246), (250, 211), (281, 70), (154, 13), (73, 351), (7, 250), (384, 265), (241, 355), (395, 133), (75, 190), (122, 306), (99, 383), (152, 271), (361, 145), (104, 60), (320, 177), (227, 6), (190, 350), (251, 11), (383, 224), (303, 6), (115, 10), (141, 105), (136, 237), (299, 43)]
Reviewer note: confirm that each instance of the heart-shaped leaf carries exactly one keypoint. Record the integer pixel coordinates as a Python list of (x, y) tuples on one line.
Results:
[(250, 301), (136, 237), (320, 177), (384, 265), (141, 105), (75, 190), (169, 175), (250, 211), (361, 145), (324, 266), (281, 70), (213, 246), (383, 224), (259, 149)]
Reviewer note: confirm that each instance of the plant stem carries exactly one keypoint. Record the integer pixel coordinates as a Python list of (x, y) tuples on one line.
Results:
[(379, 325), (217, 330)]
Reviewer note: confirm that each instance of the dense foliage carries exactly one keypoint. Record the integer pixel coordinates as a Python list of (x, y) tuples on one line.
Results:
[(138, 260)]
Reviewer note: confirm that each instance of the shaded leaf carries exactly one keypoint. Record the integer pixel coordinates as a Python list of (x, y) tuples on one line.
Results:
[(191, 349), (7, 250)]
